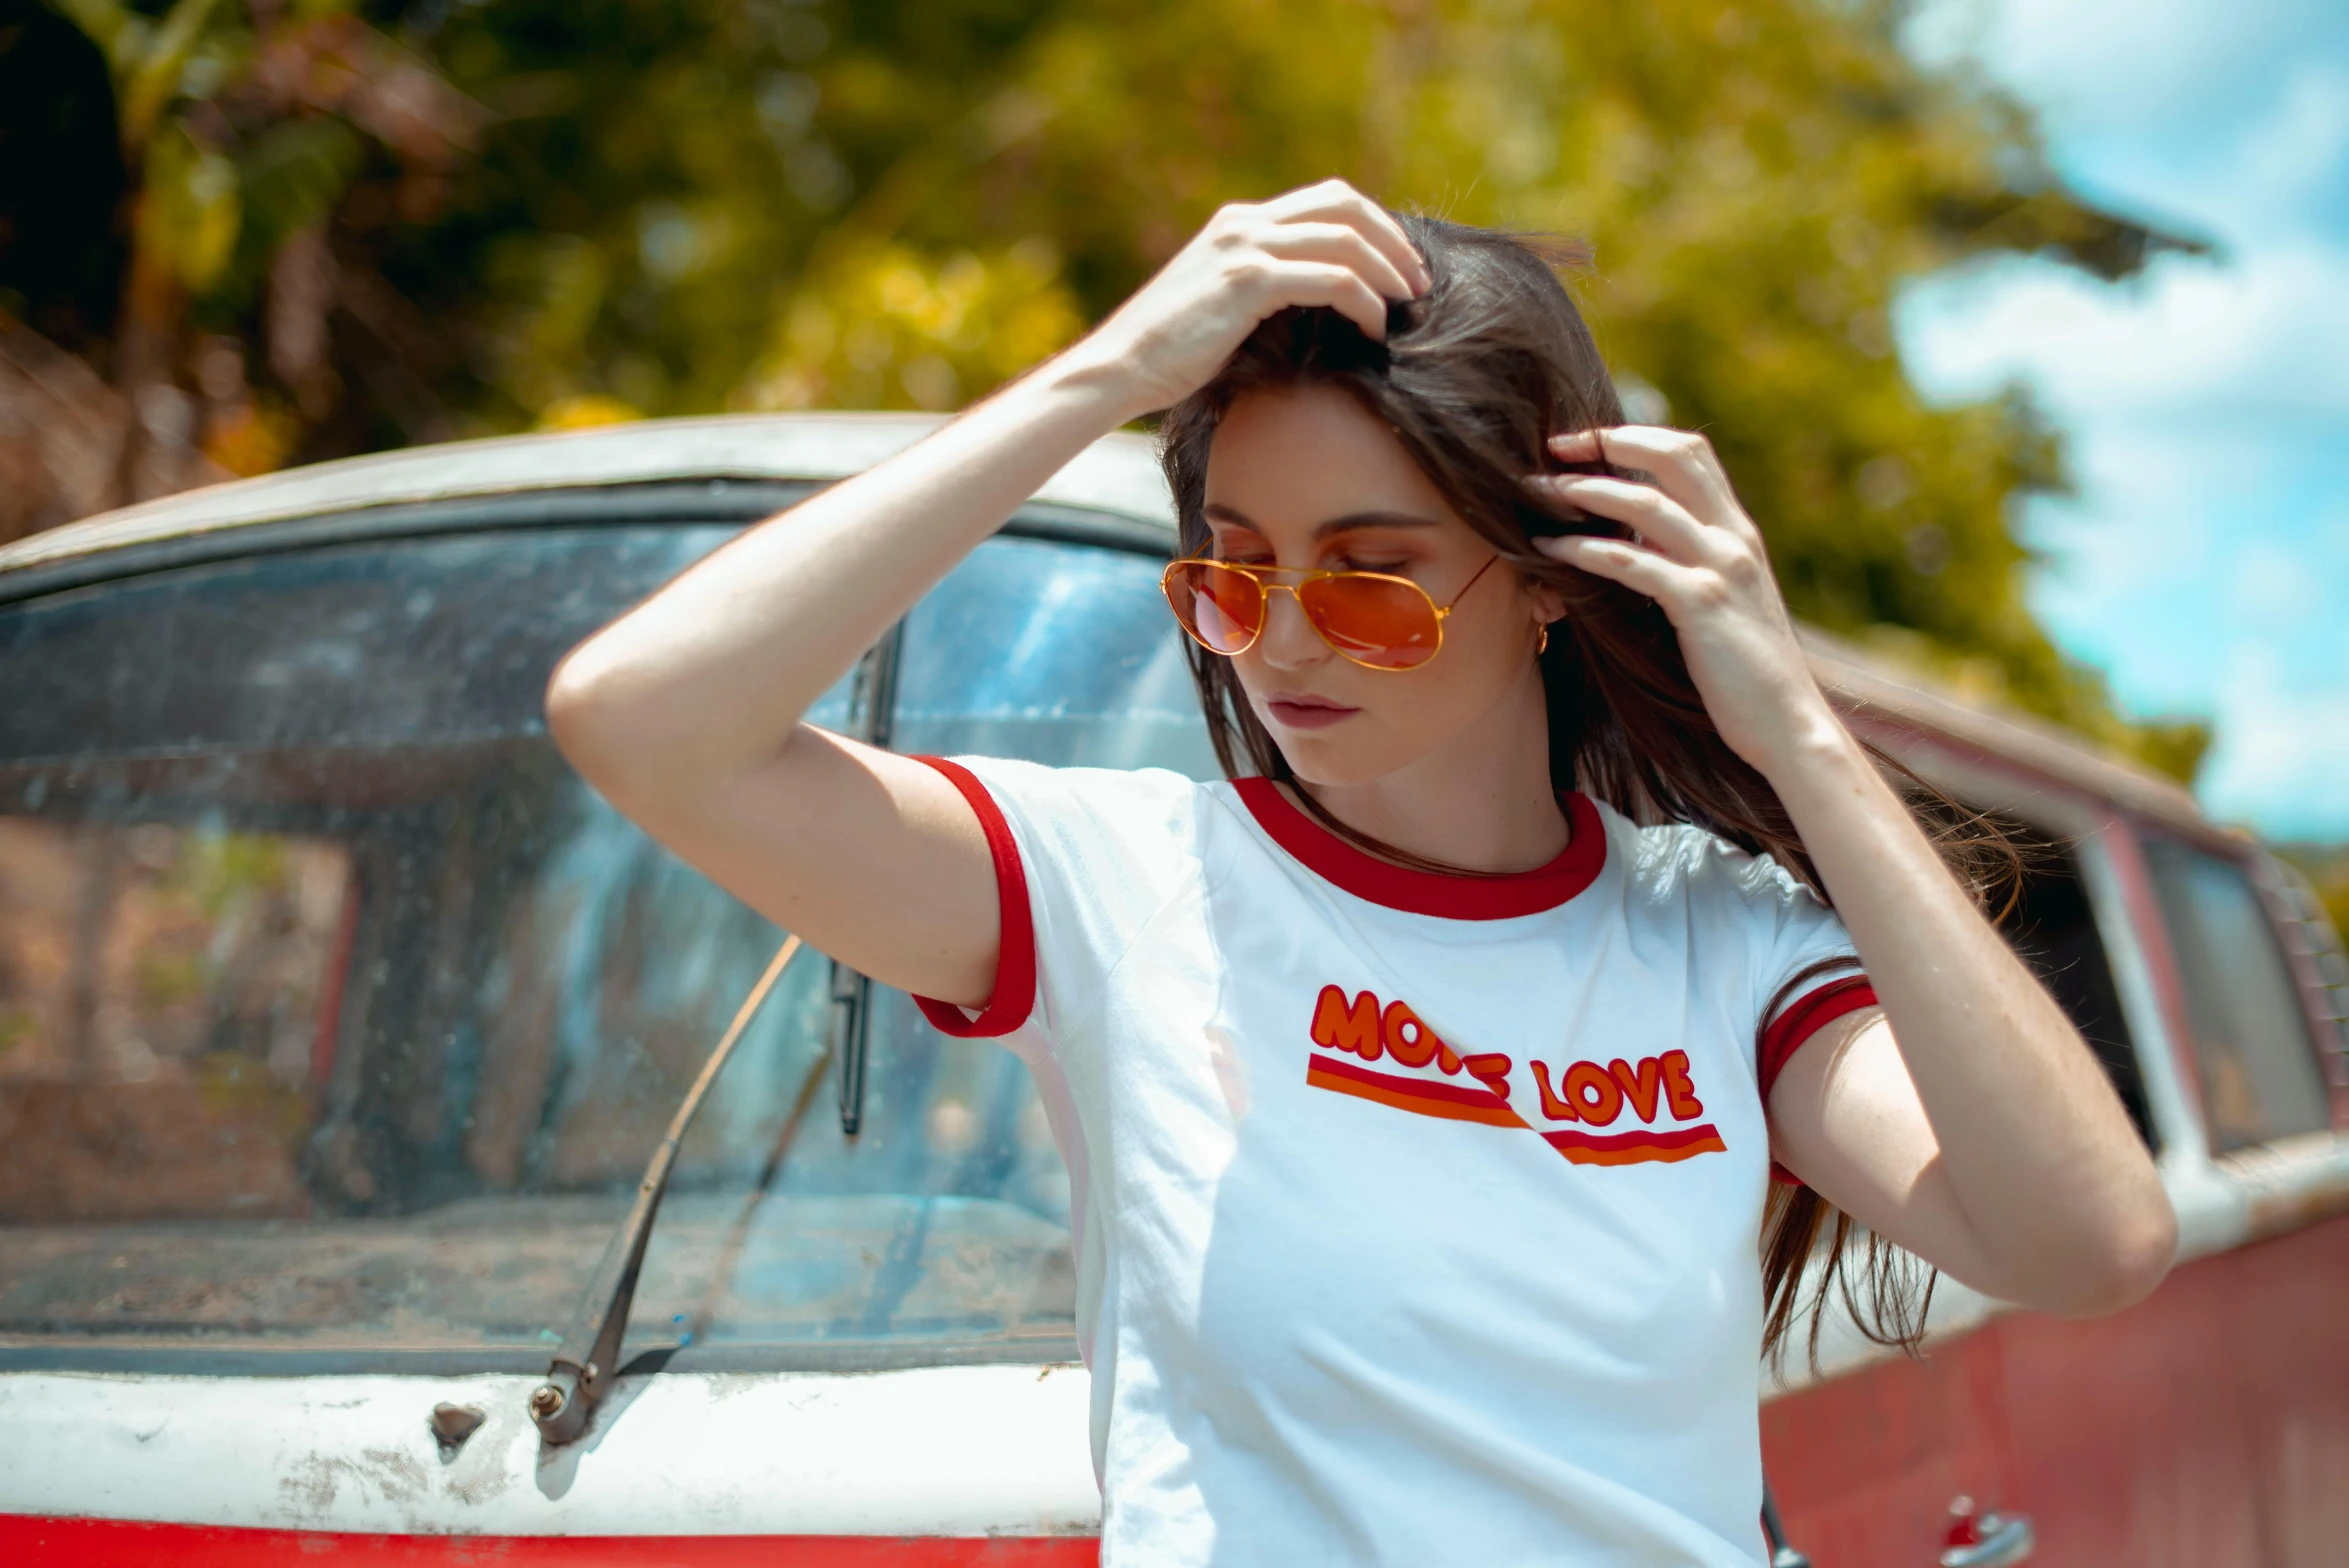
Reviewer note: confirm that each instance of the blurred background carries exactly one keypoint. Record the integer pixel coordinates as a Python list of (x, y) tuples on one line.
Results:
[(2022, 324)]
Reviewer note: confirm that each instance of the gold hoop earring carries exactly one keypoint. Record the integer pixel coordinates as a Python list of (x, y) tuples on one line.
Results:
[(1541, 638)]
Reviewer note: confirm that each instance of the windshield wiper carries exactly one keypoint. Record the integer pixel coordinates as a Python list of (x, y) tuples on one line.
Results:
[(590, 1353), (872, 710)]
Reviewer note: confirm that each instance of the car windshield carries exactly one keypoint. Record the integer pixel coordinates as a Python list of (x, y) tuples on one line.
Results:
[(337, 1014)]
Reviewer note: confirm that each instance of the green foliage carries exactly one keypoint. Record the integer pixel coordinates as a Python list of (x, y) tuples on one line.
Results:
[(2173, 746), (191, 214), (677, 206), (220, 874), (2327, 868), (293, 175), (270, 145), (879, 325)]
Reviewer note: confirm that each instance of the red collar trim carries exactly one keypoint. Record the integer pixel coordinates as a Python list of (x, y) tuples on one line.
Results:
[(1429, 892)]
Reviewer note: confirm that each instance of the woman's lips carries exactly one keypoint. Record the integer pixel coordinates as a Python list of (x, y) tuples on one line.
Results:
[(1299, 712)]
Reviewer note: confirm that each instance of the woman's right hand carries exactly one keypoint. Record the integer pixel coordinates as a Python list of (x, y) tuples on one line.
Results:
[(1325, 244), (687, 712)]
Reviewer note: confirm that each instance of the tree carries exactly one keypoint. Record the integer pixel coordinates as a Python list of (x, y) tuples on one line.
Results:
[(685, 205), (254, 156)]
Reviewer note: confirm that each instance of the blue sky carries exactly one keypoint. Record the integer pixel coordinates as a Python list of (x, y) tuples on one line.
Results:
[(2204, 563)]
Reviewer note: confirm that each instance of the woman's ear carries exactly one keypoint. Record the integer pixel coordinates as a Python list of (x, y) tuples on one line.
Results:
[(1548, 604)]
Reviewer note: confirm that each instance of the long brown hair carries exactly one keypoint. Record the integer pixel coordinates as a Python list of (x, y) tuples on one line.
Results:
[(1474, 378)]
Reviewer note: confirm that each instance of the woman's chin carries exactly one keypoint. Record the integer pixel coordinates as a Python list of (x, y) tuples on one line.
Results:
[(1331, 760)]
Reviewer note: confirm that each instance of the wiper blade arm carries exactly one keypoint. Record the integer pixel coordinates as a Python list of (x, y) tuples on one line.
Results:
[(582, 1369)]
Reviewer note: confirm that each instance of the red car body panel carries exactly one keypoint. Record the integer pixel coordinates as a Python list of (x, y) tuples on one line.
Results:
[(113, 1543), (2208, 1424)]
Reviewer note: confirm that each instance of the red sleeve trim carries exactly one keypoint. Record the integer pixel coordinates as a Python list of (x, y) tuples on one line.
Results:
[(1805, 1016), (1801, 1018), (1015, 955)]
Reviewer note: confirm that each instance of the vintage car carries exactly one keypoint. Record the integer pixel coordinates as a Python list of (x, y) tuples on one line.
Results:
[(339, 1022)]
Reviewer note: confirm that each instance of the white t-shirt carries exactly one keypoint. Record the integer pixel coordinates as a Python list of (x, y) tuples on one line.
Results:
[(1415, 1216)]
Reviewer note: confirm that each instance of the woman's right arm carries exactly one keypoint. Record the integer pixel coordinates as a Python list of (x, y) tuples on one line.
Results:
[(687, 712)]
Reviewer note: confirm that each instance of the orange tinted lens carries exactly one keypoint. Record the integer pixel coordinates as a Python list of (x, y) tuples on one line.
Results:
[(1385, 624), (1222, 608)]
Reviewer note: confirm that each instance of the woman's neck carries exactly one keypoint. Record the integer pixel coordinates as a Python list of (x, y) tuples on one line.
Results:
[(1483, 801)]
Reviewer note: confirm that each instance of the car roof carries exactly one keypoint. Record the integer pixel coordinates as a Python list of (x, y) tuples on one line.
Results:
[(1118, 474)]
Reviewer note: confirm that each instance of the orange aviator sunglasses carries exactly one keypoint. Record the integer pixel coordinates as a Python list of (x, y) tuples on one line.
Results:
[(1376, 619)]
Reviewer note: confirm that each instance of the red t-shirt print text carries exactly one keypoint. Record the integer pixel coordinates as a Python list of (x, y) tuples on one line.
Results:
[(1586, 1096)]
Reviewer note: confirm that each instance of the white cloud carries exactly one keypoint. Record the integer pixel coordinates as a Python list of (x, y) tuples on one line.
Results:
[(2266, 331), (2205, 561), (2285, 753), (2102, 69)]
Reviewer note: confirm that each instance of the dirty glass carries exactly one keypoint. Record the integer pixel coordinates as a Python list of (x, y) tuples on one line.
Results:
[(1034, 649), (2259, 1071), (337, 1014)]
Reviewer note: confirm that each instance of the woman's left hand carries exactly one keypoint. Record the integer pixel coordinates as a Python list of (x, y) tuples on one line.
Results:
[(1978, 1130), (1700, 556)]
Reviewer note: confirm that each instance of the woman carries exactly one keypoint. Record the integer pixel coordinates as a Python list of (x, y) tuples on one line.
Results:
[(1422, 1090)]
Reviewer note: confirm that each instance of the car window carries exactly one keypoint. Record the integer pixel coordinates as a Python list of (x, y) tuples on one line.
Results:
[(1067, 656), (2052, 926), (2259, 1069), (336, 1013)]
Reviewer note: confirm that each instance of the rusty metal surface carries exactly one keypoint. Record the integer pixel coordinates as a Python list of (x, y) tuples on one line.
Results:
[(969, 1451), (2291, 1183)]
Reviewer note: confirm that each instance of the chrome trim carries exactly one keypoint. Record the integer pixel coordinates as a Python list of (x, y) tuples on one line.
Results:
[(2006, 1539), (2177, 1122)]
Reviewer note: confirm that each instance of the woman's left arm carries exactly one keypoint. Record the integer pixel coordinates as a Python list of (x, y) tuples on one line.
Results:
[(1967, 1121)]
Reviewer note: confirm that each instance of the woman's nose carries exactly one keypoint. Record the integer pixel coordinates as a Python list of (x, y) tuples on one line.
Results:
[(1289, 641)]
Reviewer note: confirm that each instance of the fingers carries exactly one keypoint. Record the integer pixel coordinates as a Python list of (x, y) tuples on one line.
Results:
[(1660, 578), (1338, 202), (1682, 461), (1658, 519), (1340, 288), (1343, 245)]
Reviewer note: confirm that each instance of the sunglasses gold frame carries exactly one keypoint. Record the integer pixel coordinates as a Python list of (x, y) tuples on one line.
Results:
[(1307, 576)]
